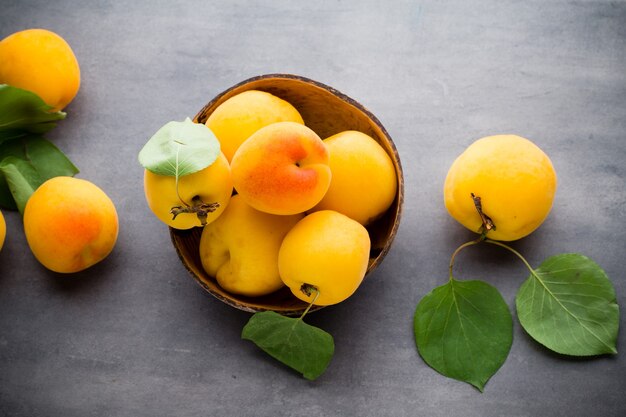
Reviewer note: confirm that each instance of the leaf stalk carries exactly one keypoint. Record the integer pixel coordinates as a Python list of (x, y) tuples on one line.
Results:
[(459, 249), (308, 289)]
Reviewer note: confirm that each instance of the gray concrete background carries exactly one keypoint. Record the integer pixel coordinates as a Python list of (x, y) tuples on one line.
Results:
[(135, 336)]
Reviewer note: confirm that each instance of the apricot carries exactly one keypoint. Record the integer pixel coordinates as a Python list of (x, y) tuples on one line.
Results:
[(324, 258), (282, 169), (240, 116), (513, 178), (364, 183), (70, 224), (212, 185), (42, 62), (3, 230), (240, 249)]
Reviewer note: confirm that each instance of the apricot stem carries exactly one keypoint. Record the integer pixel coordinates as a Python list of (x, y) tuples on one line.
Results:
[(487, 222), (488, 225), (199, 207)]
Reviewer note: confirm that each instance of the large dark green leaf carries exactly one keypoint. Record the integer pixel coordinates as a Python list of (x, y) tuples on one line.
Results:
[(568, 304), (303, 347), (464, 330), (23, 113), (22, 179), (25, 163), (6, 198)]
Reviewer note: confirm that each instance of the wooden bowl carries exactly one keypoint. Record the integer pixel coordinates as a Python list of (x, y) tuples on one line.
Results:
[(326, 111)]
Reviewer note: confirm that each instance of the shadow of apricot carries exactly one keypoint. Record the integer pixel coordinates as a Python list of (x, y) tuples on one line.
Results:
[(77, 282)]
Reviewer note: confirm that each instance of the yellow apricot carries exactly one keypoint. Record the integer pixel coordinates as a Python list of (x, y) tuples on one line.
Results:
[(210, 185), (42, 62), (240, 249), (513, 178), (363, 182), (324, 257), (70, 224), (3, 230), (240, 116)]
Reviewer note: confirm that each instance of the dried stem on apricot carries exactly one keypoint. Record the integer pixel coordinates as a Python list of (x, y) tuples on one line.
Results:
[(199, 207), (487, 222), (308, 289), (487, 225)]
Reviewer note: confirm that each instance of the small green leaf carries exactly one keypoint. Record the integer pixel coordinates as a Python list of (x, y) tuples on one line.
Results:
[(47, 159), (464, 330), (26, 163), (22, 179), (568, 304), (180, 148), (6, 198), (24, 113), (303, 347)]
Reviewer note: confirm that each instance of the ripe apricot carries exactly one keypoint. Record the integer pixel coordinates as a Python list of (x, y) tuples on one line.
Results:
[(3, 230), (40, 61), (282, 169), (324, 257), (240, 116), (513, 178), (212, 185), (70, 224), (240, 249), (364, 183)]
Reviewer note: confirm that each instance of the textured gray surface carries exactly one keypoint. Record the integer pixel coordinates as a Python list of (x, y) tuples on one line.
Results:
[(135, 336)]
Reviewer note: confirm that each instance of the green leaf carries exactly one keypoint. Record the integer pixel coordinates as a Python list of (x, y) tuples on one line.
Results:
[(24, 113), (47, 159), (464, 330), (6, 198), (25, 164), (568, 305), (303, 347), (22, 179), (180, 148)]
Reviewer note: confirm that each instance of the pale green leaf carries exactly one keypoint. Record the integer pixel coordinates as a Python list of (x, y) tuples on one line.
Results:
[(303, 347), (464, 330), (568, 305), (180, 148)]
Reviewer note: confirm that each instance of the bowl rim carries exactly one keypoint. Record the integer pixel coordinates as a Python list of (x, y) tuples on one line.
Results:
[(201, 117)]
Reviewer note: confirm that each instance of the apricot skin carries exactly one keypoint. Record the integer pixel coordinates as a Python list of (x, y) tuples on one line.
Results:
[(326, 250), (3, 230), (240, 249), (359, 163), (282, 169), (514, 179), (236, 119), (42, 62), (212, 184), (70, 224)]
